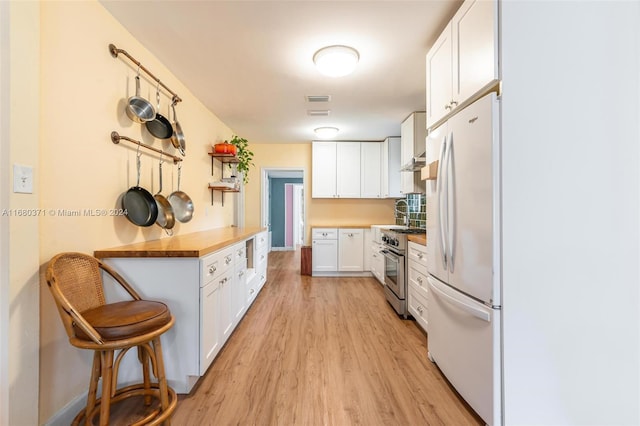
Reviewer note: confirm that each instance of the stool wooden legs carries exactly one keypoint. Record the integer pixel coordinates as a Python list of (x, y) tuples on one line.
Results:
[(107, 392), (162, 380)]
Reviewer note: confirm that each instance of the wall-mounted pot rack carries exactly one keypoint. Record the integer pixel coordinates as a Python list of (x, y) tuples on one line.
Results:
[(115, 52), (116, 138)]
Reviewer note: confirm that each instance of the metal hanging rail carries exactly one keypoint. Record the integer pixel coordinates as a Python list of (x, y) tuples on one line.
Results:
[(115, 52), (116, 138)]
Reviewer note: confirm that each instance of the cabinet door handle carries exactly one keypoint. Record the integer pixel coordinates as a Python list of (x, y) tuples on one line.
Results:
[(454, 104), (419, 279), (420, 256), (419, 309), (212, 269), (251, 291), (350, 234), (448, 106), (227, 260)]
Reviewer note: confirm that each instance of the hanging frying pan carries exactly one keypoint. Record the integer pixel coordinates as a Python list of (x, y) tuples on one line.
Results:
[(181, 202), (138, 203), (160, 126), (166, 219), (177, 138), (139, 109)]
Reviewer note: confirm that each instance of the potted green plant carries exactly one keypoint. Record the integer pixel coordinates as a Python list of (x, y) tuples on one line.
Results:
[(244, 157)]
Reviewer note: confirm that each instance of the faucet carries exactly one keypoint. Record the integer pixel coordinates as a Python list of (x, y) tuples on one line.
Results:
[(404, 214)]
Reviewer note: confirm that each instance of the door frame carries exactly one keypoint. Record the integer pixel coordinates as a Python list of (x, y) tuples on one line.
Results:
[(265, 173)]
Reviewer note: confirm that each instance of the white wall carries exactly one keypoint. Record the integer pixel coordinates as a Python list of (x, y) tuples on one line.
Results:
[(570, 152)]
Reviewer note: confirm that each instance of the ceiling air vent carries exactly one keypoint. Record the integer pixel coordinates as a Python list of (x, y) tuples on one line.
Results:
[(318, 98), (318, 112)]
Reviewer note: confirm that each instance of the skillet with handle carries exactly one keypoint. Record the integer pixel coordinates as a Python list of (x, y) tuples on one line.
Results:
[(139, 204)]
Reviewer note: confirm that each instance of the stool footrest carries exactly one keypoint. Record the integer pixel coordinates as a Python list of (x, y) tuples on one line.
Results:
[(155, 417)]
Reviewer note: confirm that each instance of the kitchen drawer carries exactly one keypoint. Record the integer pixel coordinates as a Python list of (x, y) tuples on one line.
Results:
[(261, 240), (324, 233), (417, 254), (418, 280), (418, 306), (215, 264)]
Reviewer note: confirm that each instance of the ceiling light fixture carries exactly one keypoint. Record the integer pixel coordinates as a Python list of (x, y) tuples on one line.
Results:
[(326, 132), (336, 61)]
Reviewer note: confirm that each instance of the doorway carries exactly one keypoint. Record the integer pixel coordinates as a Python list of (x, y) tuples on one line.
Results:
[(283, 207)]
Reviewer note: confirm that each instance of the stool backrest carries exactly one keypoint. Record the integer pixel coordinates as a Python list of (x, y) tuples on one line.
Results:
[(75, 281)]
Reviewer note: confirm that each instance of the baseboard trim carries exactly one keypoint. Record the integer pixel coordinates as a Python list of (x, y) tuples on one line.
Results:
[(65, 416)]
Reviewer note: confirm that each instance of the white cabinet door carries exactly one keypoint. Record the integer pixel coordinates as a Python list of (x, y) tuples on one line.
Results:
[(323, 173), (370, 169), (391, 164), (210, 328), (351, 250), (412, 135), (474, 36), (324, 256), (439, 77), (348, 169), (226, 303)]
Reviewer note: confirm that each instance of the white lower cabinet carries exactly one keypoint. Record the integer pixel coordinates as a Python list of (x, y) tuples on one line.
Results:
[(418, 286), (207, 296), (324, 250), (377, 262), (351, 250), (209, 318)]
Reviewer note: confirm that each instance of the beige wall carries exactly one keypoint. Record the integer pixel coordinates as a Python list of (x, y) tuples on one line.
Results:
[(83, 90), (320, 212), (24, 127)]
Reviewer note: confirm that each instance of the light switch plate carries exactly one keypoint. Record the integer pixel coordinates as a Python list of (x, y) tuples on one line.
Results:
[(22, 179)]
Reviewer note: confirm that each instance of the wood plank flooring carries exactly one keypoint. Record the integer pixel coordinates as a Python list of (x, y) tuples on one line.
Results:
[(322, 351)]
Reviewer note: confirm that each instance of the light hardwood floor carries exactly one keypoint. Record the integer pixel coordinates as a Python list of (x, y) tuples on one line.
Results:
[(322, 351)]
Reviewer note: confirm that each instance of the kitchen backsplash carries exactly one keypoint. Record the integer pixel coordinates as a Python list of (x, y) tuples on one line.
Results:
[(415, 206)]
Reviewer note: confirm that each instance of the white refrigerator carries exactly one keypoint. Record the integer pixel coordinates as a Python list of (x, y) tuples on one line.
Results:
[(463, 255)]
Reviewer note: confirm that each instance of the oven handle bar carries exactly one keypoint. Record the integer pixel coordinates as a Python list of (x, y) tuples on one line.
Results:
[(391, 256)]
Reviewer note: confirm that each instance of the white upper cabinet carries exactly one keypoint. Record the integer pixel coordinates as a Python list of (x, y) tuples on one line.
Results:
[(323, 173), (348, 169), (464, 59), (355, 169), (391, 164), (439, 77), (412, 134), (370, 170)]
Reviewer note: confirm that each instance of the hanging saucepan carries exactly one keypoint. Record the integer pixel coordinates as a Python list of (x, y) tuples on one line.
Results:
[(181, 202), (177, 138), (166, 219), (138, 203), (139, 109), (160, 126)]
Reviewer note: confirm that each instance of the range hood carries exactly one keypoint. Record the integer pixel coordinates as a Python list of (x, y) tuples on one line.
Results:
[(416, 164)]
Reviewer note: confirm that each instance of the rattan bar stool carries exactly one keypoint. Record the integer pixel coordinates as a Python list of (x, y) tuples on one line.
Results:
[(110, 330)]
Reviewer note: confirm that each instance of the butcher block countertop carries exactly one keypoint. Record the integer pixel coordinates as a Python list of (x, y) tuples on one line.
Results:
[(196, 244), (418, 238)]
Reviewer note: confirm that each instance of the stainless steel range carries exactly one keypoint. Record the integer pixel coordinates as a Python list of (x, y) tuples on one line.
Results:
[(395, 267)]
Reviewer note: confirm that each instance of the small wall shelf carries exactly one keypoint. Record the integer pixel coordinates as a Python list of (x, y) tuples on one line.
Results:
[(224, 159)]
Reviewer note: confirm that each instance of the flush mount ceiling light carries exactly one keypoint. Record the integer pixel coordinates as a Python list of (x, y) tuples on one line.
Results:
[(336, 61), (326, 132)]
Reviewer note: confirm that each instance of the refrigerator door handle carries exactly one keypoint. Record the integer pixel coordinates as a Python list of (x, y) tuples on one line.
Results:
[(441, 182), (472, 310), (451, 207)]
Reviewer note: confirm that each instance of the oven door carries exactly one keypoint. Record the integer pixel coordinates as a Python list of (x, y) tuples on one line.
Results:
[(394, 272)]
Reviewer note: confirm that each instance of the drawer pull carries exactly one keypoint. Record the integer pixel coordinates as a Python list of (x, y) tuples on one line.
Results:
[(420, 256), (419, 279), (227, 260), (212, 269), (251, 291), (419, 309)]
